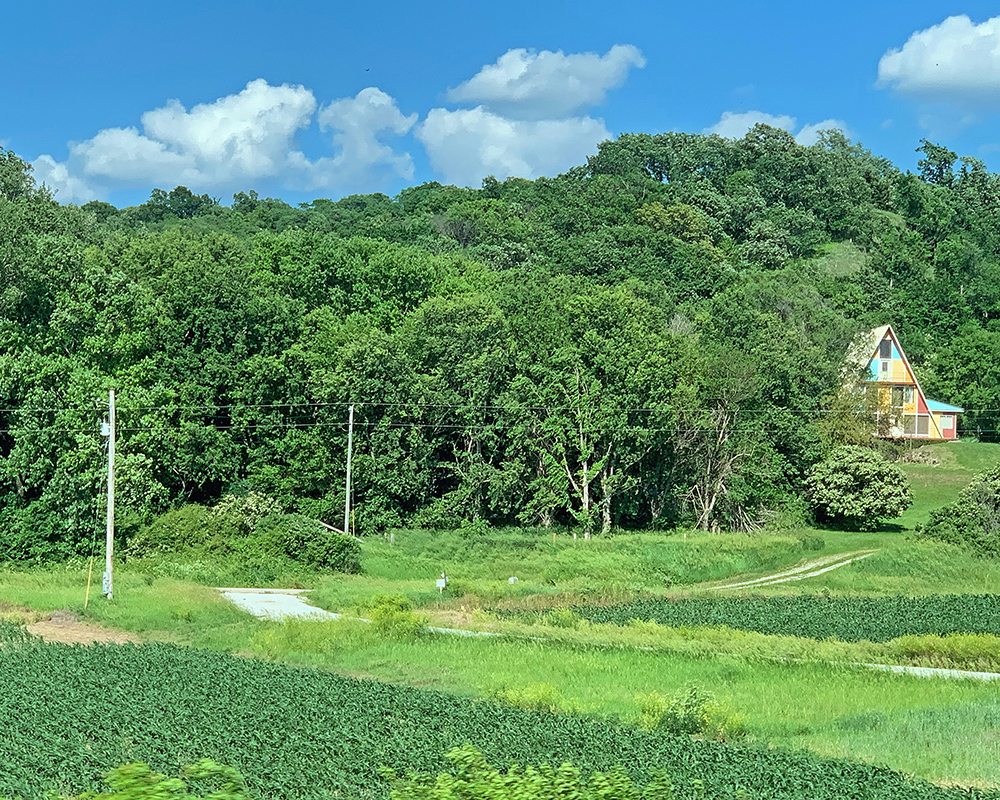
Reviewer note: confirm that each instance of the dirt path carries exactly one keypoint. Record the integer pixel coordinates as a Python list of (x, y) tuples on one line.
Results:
[(65, 627), (935, 672), (810, 569)]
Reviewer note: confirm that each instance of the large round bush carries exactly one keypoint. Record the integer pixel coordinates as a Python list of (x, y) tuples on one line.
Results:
[(857, 486)]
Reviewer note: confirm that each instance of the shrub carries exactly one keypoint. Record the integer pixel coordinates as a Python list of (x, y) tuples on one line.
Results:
[(393, 617), (139, 782), (236, 526), (973, 519), (307, 541), (690, 712), (335, 552), (475, 779), (187, 527), (563, 618), (245, 511), (532, 697), (687, 712), (857, 486)]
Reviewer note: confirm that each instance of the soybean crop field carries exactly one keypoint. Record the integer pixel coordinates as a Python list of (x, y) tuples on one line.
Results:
[(68, 714), (850, 619)]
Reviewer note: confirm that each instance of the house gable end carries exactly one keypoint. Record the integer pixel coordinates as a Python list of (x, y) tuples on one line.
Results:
[(890, 370)]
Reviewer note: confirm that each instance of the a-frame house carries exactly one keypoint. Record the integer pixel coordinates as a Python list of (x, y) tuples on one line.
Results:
[(901, 408)]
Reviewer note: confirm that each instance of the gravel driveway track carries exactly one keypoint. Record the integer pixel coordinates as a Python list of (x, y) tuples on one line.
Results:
[(803, 571), (275, 604)]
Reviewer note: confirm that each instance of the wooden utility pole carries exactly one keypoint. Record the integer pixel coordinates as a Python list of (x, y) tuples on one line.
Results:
[(347, 488), (110, 542)]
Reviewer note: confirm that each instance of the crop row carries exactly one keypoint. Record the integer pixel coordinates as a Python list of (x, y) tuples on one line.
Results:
[(68, 714), (850, 619)]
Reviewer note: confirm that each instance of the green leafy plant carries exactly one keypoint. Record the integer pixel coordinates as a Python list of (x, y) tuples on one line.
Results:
[(203, 779), (849, 619), (474, 778)]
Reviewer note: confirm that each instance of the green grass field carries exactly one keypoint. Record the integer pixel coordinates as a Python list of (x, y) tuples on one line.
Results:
[(937, 485), (780, 690), (301, 734)]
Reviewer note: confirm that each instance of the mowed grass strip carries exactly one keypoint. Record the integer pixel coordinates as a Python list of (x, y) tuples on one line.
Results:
[(308, 734)]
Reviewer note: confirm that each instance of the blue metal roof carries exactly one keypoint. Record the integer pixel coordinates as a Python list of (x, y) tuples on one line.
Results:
[(935, 405)]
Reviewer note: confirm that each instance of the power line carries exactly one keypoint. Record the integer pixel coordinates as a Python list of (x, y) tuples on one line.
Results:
[(402, 425), (217, 407)]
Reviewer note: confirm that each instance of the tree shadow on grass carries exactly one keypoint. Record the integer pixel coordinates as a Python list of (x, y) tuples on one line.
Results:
[(854, 527)]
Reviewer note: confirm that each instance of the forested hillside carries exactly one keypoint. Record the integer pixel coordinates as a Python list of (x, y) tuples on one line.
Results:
[(653, 338)]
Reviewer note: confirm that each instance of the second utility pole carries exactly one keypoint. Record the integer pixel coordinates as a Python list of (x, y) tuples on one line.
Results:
[(347, 488)]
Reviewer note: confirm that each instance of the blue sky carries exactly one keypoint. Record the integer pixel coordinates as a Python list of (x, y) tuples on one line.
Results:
[(306, 99)]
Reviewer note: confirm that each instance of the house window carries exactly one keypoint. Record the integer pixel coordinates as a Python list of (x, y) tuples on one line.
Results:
[(884, 370), (885, 349), (922, 425), (897, 397), (948, 421), (908, 394), (909, 424)]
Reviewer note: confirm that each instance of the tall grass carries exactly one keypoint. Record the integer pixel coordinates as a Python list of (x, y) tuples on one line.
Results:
[(542, 562)]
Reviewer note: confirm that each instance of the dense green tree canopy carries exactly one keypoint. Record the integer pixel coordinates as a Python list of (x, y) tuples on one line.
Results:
[(652, 338)]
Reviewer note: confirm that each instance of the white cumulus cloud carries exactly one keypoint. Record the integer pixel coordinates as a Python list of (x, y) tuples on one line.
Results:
[(56, 176), (733, 125), (467, 145), (954, 60), (809, 134), (526, 84), (527, 119), (235, 141), (356, 124)]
